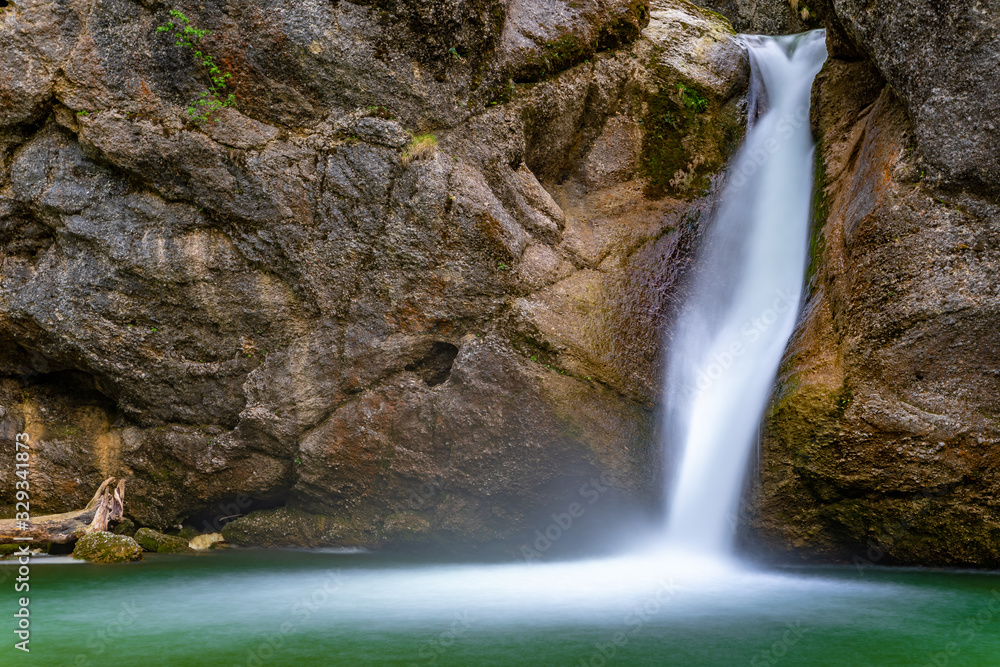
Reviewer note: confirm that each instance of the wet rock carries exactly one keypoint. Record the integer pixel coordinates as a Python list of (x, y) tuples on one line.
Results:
[(125, 527), (205, 541), (104, 547), (150, 540), (288, 527), (289, 306), (769, 17), (883, 434)]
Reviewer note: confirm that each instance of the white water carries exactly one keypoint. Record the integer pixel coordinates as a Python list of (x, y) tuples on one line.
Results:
[(730, 337), (687, 607)]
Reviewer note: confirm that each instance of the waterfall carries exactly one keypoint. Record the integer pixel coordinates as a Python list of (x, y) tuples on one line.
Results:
[(730, 335)]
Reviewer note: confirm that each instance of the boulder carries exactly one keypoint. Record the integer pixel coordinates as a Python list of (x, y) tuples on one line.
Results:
[(205, 541), (150, 540), (105, 547), (125, 527)]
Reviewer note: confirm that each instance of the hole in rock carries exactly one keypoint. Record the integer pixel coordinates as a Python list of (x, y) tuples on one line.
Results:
[(435, 367), (212, 518), (4, 3), (76, 387)]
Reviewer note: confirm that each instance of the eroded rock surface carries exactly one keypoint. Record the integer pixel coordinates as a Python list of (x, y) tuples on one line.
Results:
[(288, 307), (883, 440)]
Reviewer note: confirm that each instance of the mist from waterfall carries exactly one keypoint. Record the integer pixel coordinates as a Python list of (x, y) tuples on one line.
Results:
[(745, 294)]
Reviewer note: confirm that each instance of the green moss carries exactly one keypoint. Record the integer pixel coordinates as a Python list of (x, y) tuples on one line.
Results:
[(63, 431), (150, 540), (843, 399), (673, 114), (558, 55), (8, 549), (727, 26), (103, 547), (125, 527), (422, 147), (692, 99), (820, 213)]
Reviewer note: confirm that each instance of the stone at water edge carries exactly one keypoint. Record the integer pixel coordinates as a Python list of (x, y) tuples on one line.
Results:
[(205, 541), (160, 543), (105, 547)]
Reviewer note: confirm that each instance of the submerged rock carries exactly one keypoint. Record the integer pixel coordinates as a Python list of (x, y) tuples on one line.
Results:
[(104, 547), (150, 540)]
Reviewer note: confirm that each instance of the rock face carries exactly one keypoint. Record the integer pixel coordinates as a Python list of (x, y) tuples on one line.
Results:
[(104, 547), (768, 17), (884, 436), (292, 305), (940, 58)]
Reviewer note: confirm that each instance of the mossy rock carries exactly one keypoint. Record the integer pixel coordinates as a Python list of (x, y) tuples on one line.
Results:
[(125, 527), (160, 543), (105, 547), (188, 533)]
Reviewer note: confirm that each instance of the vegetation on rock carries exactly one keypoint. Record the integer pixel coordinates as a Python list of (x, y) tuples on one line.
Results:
[(105, 547), (213, 100), (150, 540)]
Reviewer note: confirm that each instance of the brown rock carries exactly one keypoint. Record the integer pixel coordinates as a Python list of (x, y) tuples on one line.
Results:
[(286, 306)]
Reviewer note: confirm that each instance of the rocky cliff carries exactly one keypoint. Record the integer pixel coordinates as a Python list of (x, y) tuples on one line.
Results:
[(406, 287), (883, 440)]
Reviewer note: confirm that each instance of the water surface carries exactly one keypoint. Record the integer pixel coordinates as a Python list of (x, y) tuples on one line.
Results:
[(321, 608)]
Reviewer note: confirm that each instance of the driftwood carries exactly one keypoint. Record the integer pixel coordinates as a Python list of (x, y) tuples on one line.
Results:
[(104, 508)]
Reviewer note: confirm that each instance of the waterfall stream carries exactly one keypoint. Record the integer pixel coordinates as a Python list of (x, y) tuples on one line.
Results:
[(731, 334), (644, 604)]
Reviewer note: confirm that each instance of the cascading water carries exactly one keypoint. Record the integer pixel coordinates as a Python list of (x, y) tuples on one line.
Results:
[(270, 607), (731, 334)]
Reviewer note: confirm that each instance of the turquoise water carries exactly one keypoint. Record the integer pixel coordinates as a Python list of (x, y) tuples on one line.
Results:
[(321, 608)]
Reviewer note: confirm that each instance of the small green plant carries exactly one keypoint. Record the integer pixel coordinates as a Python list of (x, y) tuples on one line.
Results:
[(82, 113), (421, 147), (667, 118), (692, 99), (454, 53), (214, 99)]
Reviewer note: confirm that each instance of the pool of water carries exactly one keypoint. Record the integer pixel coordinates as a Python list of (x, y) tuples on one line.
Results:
[(329, 608)]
